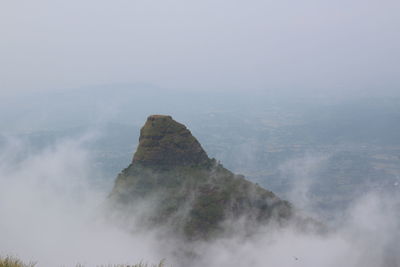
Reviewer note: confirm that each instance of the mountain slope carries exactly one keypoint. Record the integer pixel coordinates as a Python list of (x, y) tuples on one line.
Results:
[(190, 193)]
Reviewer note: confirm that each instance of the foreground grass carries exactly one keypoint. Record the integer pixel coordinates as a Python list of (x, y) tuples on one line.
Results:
[(161, 264), (15, 262)]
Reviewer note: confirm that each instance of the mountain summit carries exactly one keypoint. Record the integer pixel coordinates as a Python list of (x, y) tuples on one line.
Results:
[(164, 142), (171, 182)]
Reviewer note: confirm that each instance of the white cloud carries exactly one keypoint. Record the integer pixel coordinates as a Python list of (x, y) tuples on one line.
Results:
[(51, 213)]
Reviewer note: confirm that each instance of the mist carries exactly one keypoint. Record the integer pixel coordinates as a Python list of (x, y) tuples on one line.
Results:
[(302, 48), (300, 97), (53, 212)]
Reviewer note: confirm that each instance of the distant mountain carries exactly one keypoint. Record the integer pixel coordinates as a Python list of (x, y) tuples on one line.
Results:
[(188, 192)]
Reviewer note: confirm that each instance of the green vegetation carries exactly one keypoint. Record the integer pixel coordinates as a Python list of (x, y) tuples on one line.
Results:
[(141, 264), (213, 194), (15, 262)]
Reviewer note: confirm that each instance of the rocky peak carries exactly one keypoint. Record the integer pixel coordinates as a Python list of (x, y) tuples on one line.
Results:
[(165, 142), (190, 193)]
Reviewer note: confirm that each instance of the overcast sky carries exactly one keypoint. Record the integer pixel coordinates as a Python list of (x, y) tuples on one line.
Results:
[(308, 45)]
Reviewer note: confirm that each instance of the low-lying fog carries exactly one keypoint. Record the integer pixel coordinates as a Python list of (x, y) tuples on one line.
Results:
[(52, 212), (300, 96)]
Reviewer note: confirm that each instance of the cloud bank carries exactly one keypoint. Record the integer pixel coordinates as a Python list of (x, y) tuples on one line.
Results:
[(52, 212)]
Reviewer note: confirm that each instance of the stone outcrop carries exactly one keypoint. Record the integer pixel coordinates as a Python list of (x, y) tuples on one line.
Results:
[(190, 193), (165, 142)]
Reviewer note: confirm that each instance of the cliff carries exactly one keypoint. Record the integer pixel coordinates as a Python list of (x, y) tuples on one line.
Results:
[(189, 193)]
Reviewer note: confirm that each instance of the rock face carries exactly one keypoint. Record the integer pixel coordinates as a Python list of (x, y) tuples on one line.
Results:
[(164, 142), (190, 193)]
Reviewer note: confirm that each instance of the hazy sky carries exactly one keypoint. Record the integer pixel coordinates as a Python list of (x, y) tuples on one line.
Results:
[(344, 45)]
